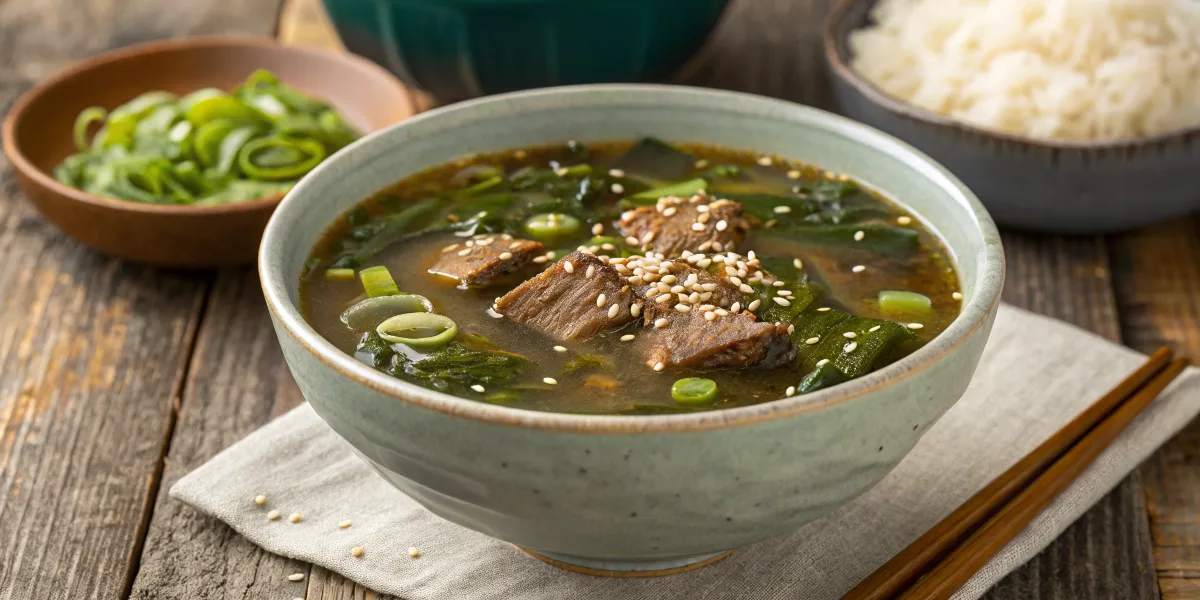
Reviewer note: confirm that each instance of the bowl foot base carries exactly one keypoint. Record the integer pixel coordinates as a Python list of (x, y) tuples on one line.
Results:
[(619, 568)]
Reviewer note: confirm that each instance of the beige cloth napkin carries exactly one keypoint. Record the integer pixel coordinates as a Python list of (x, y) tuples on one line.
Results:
[(1036, 375)]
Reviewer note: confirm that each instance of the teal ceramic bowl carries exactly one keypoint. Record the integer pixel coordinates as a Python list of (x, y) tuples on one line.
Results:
[(458, 49), (621, 493)]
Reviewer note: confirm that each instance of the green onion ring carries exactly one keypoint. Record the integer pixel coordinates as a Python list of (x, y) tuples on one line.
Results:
[(312, 151), (92, 114), (367, 314), (398, 324)]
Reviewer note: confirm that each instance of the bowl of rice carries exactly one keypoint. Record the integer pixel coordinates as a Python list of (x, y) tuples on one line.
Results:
[(1066, 116)]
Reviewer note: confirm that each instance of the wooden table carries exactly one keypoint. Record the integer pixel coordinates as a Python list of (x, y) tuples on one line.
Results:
[(117, 379)]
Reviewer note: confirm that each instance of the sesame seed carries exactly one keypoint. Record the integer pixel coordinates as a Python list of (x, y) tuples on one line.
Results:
[(754, 305), (260, 499), (550, 380), (632, 241), (561, 171), (540, 259), (600, 300), (617, 188), (722, 225), (414, 552), (514, 245), (669, 279), (793, 174), (658, 366), (799, 264), (734, 279), (709, 316), (956, 296), (764, 161), (559, 349), (823, 309), (662, 298), (551, 254), (737, 307), (850, 335), (295, 518), (660, 323), (356, 552), (791, 329), (778, 284), (859, 235), (505, 255), (450, 247), (613, 310), (822, 362), (697, 226), (848, 348), (703, 208), (344, 525), (296, 577), (791, 391), (812, 341), (478, 388), (915, 326), (569, 267), (781, 301), (782, 210), (590, 271), (873, 329), (858, 268), (904, 220), (649, 237), (700, 164), (464, 252), (273, 515), (627, 337), (670, 211), (597, 229), (635, 309), (785, 293), (746, 289)]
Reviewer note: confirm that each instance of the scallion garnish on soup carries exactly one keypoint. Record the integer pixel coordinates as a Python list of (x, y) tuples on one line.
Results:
[(628, 278)]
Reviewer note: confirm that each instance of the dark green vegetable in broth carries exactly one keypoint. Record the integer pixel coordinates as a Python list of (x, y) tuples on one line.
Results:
[(643, 278)]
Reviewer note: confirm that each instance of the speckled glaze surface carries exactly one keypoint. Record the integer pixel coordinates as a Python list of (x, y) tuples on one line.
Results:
[(626, 493), (458, 49), (1084, 188)]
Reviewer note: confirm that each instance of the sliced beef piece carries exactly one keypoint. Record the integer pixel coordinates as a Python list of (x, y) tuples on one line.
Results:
[(484, 259), (697, 224), (732, 341), (565, 302)]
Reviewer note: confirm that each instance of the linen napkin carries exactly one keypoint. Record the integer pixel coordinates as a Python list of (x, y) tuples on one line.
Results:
[(1036, 374)]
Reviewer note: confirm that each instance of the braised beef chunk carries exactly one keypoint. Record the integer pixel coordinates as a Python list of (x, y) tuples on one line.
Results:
[(571, 300), (731, 341), (484, 259), (697, 224)]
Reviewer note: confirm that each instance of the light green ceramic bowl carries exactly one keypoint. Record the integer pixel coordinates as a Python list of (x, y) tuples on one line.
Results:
[(634, 493)]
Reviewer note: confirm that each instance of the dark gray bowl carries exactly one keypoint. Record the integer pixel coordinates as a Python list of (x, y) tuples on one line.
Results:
[(1059, 187)]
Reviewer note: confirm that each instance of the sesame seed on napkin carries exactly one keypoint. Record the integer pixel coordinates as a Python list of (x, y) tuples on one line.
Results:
[(303, 467)]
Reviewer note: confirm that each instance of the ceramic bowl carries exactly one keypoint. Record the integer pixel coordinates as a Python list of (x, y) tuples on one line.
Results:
[(37, 137), (1058, 187), (459, 49), (626, 493)]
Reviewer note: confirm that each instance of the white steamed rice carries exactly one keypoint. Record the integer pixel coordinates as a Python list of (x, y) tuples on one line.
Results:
[(1050, 69)]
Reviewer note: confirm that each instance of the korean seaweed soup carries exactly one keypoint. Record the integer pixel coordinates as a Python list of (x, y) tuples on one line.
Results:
[(628, 278)]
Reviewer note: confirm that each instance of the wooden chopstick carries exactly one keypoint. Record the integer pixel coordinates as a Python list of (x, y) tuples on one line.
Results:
[(923, 556)]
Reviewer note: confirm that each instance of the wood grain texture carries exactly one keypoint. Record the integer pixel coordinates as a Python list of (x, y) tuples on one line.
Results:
[(1157, 271), (237, 382), (92, 351)]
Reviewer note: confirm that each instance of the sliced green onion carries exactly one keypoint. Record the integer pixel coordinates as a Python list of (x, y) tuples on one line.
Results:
[(367, 314), (418, 330), (694, 390), (339, 274), (575, 170), (551, 227), (683, 189), (900, 302), (231, 145), (221, 106), (377, 281), (279, 158), (90, 115)]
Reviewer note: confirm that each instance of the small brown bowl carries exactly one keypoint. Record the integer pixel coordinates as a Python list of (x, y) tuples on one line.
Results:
[(37, 137)]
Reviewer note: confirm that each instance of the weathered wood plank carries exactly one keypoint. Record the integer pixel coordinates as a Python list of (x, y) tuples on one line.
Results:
[(237, 383), (1157, 272)]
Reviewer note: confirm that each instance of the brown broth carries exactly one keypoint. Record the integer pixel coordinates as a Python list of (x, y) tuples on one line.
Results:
[(625, 381)]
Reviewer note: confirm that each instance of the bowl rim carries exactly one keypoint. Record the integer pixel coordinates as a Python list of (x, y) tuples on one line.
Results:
[(840, 66), (976, 311), (22, 164)]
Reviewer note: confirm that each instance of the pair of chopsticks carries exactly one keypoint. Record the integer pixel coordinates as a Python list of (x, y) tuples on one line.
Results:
[(943, 559)]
